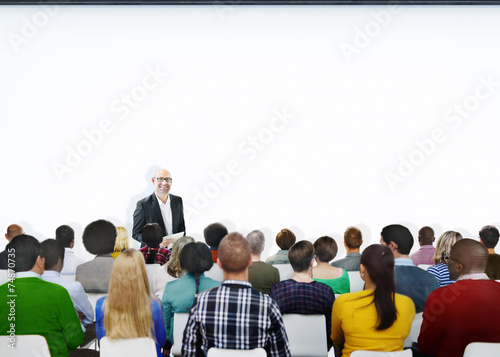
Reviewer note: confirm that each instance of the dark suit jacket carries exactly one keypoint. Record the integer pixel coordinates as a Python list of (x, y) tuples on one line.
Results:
[(148, 211)]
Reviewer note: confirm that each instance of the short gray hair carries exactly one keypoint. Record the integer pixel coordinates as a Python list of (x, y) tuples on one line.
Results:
[(257, 241)]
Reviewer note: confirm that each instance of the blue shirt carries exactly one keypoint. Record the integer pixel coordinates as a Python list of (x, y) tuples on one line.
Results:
[(159, 326)]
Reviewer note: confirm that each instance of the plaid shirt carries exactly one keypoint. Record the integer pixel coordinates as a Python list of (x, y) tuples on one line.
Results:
[(236, 316), (162, 254)]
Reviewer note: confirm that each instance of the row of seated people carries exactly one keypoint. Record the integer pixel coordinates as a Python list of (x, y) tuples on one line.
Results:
[(301, 294)]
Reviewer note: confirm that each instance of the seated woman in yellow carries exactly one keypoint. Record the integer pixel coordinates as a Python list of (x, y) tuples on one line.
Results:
[(336, 278), (376, 318)]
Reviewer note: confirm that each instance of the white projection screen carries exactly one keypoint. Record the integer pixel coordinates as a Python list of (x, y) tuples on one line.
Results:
[(313, 118)]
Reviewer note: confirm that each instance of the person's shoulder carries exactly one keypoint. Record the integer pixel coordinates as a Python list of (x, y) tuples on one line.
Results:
[(174, 197), (146, 199)]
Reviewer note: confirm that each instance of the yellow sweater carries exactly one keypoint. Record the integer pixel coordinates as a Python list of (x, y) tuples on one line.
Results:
[(354, 318)]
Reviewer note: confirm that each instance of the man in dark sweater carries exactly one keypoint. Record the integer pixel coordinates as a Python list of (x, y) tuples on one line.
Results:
[(411, 281), (489, 237), (466, 311)]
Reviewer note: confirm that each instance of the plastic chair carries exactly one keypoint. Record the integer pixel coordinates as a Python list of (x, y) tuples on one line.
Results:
[(25, 346), (286, 271), (221, 352), (415, 330), (306, 335), (424, 266), (357, 284), (180, 321), (133, 347), (405, 353), (150, 269), (481, 349)]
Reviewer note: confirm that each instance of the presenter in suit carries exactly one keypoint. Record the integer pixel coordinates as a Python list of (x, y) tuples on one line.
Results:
[(160, 207)]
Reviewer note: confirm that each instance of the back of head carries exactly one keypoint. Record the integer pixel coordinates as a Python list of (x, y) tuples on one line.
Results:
[(353, 238), (400, 235), (285, 239), (174, 268), (257, 241), (122, 240), (152, 235), (444, 244), (471, 254), (214, 233), (300, 255), (489, 236), (234, 253), (65, 235), (99, 237), (325, 248), (13, 230), (53, 251), (26, 250), (196, 258), (127, 311), (378, 261), (426, 235)]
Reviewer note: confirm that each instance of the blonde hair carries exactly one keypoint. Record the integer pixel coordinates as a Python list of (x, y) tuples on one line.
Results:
[(122, 241), (174, 264), (444, 244), (127, 311)]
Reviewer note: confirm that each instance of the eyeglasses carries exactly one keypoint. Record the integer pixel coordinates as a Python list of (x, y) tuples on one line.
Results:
[(161, 179), (447, 258)]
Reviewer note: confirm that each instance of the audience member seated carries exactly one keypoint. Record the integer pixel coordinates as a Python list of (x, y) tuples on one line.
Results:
[(352, 241), (489, 237), (66, 236), (301, 294), (466, 311), (154, 252), (122, 241), (213, 234), (172, 270), (376, 318), (285, 239), (130, 310), (234, 309), (443, 248), (53, 252), (262, 276), (411, 281), (99, 239), (41, 308), (13, 230), (426, 252), (179, 295), (336, 278)]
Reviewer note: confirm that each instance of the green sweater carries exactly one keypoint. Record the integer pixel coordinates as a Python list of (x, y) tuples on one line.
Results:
[(42, 308)]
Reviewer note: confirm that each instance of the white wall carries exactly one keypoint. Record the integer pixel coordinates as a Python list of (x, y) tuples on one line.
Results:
[(312, 110)]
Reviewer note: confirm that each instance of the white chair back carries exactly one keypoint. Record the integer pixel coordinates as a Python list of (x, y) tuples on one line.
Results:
[(357, 284), (415, 330), (93, 297), (3, 276), (150, 269), (24, 346), (215, 273), (220, 352), (306, 334), (482, 349), (286, 271), (180, 321), (133, 347), (424, 266), (405, 353)]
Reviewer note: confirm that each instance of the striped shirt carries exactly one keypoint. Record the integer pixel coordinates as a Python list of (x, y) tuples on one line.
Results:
[(235, 316), (440, 271)]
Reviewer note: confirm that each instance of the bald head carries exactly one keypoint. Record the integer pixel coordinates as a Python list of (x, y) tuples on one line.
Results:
[(426, 236), (467, 256), (162, 181), (13, 230)]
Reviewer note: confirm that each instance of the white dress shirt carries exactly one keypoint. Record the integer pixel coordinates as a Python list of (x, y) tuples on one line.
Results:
[(71, 261), (76, 292), (166, 213)]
